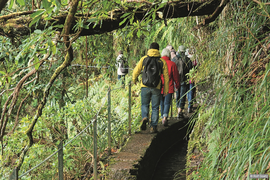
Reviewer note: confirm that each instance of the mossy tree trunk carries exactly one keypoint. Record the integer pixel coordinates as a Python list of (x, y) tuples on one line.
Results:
[(64, 65)]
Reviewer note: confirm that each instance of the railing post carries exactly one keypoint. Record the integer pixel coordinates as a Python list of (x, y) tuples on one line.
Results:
[(14, 174), (60, 161), (129, 108), (109, 121), (95, 148)]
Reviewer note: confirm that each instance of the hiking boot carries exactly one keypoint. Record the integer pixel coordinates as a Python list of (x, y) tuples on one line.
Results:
[(153, 129), (180, 115), (165, 122), (144, 122)]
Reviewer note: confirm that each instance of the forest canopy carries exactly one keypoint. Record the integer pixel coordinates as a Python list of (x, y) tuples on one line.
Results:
[(103, 17)]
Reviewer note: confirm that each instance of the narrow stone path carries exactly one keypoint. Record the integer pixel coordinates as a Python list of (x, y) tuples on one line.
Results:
[(138, 159)]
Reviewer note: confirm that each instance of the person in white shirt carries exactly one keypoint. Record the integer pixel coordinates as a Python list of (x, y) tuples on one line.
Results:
[(120, 74)]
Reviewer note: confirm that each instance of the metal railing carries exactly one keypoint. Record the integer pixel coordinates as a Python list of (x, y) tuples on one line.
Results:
[(15, 176)]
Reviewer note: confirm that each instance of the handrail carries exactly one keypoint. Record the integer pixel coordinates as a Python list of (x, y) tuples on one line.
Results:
[(14, 174), (94, 120)]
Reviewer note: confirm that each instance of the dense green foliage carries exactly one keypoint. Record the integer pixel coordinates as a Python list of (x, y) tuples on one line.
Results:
[(77, 115), (230, 139), (230, 136)]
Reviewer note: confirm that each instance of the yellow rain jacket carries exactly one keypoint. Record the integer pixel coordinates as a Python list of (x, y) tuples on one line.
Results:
[(139, 67)]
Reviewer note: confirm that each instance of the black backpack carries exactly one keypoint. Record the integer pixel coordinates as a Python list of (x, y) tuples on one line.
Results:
[(183, 63), (123, 65), (153, 67)]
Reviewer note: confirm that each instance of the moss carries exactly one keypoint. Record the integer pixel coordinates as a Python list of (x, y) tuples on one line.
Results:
[(8, 27)]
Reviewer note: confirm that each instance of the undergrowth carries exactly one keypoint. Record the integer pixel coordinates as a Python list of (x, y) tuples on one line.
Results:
[(78, 114)]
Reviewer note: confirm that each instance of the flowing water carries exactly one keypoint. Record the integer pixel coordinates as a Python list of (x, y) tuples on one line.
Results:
[(172, 164)]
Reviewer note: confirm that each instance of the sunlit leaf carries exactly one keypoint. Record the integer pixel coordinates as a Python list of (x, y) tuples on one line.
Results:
[(11, 4), (2, 72), (138, 33), (124, 15), (36, 62), (122, 22), (21, 2)]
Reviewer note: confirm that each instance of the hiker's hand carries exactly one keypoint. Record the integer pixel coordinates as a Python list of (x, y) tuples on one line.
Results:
[(165, 94)]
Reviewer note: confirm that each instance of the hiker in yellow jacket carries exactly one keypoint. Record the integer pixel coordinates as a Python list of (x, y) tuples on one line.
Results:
[(151, 91)]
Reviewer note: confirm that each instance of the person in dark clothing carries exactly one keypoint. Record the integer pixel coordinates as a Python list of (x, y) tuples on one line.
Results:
[(192, 90), (183, 64), (151, 94)]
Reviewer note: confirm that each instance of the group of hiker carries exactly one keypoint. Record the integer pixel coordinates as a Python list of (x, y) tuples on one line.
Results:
[(163, 75)]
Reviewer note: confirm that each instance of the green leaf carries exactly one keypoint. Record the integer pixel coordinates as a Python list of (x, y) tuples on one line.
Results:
[(139, 33), (21, 2), (85, 26), (34, 20), (124, 15), (37, 15), (11, 4), (46, 4), (53, 48), (122, 22), (36, 62), (38, 12), (92, 20), (131, 20), (8, 79), (162, 5), (154, 15), (38, 31), (2, 72), (58, 4), (20, 60)]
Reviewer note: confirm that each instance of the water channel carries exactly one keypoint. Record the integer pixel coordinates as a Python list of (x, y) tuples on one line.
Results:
[(172, 164)]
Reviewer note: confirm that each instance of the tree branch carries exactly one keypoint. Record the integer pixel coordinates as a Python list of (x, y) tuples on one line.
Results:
[(66, 63), (18, 113), (213, 16), (15, 87), (19, 26), (15, 95)]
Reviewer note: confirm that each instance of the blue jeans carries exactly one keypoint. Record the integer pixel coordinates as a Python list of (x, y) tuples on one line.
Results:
[(190, 95), (181, 95), (148, 94), (165, 103)]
